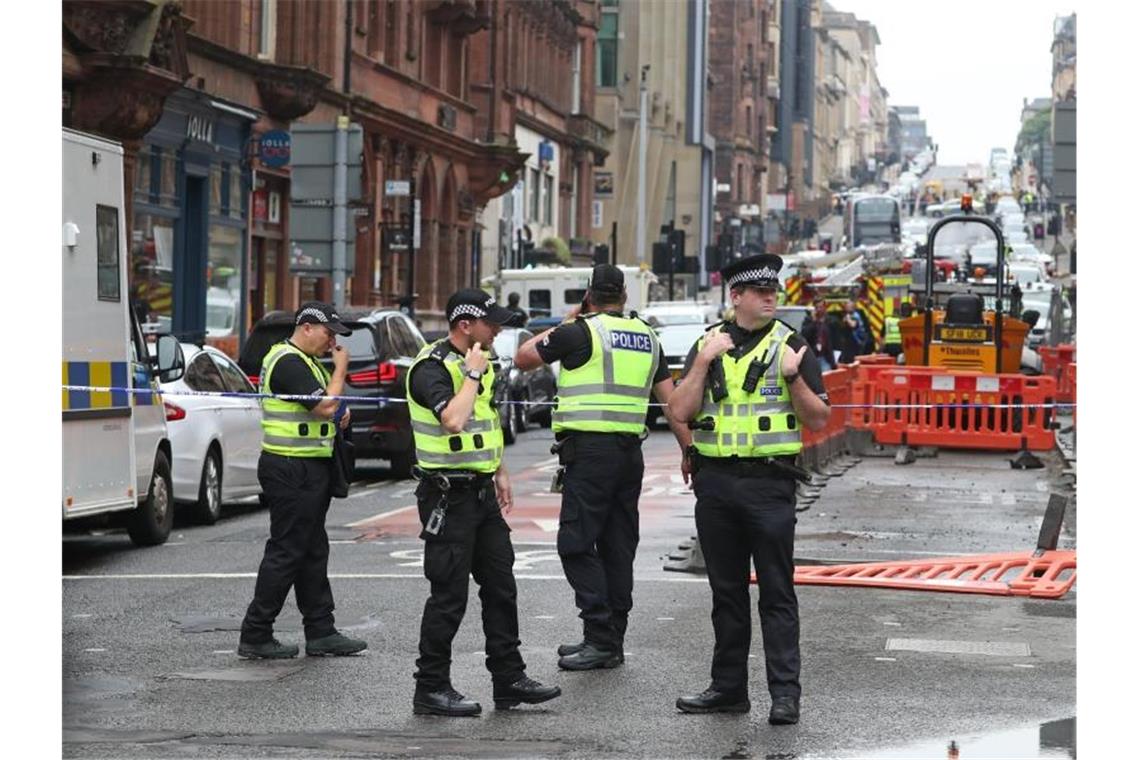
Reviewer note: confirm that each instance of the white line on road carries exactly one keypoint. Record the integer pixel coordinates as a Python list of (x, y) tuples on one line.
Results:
[(94, 649), (82, 615), (1023, 665), (549, 526), (666, 618), (891, 622), (222, 651), (543, 617), (380, 516), (885, 659), (333, 576)]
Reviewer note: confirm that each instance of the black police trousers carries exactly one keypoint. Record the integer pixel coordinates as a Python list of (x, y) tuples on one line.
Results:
[(598, 530), (296, 490), (744, 519), (475, 541)]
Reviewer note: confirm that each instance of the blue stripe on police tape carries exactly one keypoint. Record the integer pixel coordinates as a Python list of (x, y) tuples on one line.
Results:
[(359, 401)]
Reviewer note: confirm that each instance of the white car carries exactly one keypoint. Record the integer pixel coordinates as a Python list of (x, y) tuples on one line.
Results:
[(215, 440), (661, 313), (1030, 252), (1026, 273)]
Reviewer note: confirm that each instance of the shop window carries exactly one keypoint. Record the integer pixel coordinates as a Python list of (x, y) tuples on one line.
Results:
[(216, 190), (223, 298), (535, 190), (152, 263), (168, 188), (232, 191), (107, 245)]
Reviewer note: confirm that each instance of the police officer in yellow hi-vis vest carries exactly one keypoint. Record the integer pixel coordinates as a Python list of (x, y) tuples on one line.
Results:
[(750, 385), (464, 489), (294, 472), (610, 365)]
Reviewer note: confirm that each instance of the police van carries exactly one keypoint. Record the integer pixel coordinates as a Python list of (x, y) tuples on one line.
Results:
[(554, 291), (116, 453)]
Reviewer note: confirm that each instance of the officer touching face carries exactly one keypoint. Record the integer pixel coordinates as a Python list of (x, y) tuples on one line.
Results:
[(750, 385), (463, 489), (610, 365)]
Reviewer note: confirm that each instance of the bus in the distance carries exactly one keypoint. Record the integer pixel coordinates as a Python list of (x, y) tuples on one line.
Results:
[(872, 219)]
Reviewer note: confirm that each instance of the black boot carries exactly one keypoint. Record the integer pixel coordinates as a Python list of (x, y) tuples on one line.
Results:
[(710, 700), (565, 650), (444, 701), (785, 711), (590, 657), (525, 690), (267, 650)]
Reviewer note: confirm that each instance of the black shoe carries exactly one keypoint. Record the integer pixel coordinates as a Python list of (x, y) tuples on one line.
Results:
[(445, 701), (267, 650), (565, 650), (525, 690), (590, 657), (785, 711), (710, 701), (335, 644)]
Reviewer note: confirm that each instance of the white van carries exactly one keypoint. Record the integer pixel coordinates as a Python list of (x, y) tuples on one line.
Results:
[(116, 455), (553, 291)]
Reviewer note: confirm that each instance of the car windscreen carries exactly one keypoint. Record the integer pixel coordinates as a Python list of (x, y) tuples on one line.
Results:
[(676, 340)]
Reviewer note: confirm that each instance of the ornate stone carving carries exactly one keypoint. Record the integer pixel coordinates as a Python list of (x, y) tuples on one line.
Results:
[(122, 102), (289, 92)]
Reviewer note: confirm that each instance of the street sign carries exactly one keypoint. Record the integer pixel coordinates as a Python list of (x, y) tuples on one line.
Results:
[(314, 161), (275, 148), (397, 188)]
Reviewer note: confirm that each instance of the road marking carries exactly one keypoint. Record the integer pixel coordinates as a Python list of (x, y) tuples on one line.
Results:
[(549, 526), (886, 659), (222, 651), (1023, 665), (381, 516), (666, 618), (543, 617), (174, 543), (891, 622), (94, 649), (82, 615), (1008, 499), (365, 492), (334, 576)]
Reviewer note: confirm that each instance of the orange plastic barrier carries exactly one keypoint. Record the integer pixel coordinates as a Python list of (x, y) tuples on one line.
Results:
[(1049, 576), (838, 386), (1067, 387), (919, 406), (1054, 359), (862, 384), (875, 359)]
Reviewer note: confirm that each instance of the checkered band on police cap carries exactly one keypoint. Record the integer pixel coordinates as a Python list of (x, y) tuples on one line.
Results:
[(318, 314), (755, 275), (466, 310)]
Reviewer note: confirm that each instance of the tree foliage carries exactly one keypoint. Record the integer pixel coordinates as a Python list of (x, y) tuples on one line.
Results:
[(1034, 131)]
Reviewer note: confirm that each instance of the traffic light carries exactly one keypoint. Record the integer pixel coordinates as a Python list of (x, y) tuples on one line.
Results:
[(601, 254), (661, 258)]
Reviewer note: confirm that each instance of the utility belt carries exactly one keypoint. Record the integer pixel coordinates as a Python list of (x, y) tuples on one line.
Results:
[(755, 467), (447, 480)]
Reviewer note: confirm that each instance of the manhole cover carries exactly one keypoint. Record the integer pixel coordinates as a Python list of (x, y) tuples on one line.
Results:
[(999, 648)]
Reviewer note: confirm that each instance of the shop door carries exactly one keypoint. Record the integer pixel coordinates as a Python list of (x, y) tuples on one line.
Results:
[(190, 267)]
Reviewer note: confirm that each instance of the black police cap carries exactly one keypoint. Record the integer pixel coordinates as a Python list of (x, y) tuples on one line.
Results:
[(761, 271)]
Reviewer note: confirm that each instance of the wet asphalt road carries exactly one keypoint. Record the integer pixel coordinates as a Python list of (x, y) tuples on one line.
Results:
[(149, 668)]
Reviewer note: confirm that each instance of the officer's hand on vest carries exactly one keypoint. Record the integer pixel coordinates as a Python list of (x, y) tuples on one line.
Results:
[(719, 343), (792, 359), (340, 357), (475, 358)]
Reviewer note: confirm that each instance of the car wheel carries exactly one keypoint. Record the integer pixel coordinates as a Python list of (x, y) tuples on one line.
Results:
[(520, 413), (208, 508), (402, 464), (150, 522), (509, 422)]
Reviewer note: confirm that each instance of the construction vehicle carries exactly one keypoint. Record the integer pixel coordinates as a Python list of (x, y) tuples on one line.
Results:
[(963, 325)]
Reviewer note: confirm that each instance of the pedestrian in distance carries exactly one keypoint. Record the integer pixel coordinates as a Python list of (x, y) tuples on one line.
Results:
[(854, 333), (295, 474), (464, 490), (749, 388), (514, 308), (892, 335), (819, 332), (611, 363)]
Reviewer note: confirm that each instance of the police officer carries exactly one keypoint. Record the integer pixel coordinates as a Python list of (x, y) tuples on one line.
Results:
[(463, 486), (610, 364), (294, 472), (892, 334), (750, 385)]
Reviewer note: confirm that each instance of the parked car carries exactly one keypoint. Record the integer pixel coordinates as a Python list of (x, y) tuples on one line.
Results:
[(661, 313), (1030, 252), (382, 347), (676, 340), (518, 385), (215, 441)]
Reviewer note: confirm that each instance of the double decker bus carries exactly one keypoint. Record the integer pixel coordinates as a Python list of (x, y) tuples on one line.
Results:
[(872, 219)]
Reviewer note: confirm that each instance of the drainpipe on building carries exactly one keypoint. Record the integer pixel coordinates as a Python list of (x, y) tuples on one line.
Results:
[(642, 132)]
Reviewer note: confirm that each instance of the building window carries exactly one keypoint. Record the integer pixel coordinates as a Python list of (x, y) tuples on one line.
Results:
[(608, 45), (576, 82), (534, 189), (267, 42), (547, 199), (748, 121)]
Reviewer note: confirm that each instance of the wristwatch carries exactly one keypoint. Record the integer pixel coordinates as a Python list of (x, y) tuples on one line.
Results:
[(789, 379), (475, 374)]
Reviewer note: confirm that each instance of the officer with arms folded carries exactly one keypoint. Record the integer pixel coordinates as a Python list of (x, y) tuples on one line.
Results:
[(294, 472), (610, 365), (463, 489), (750, 385)]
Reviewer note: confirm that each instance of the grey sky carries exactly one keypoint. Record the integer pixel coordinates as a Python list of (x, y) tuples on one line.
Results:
[(966, 64)]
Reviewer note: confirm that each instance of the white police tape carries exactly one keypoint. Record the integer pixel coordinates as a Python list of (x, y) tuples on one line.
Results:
[(381, 402)]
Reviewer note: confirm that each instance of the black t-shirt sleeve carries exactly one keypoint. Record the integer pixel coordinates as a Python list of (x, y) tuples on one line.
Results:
[(662, 368), (431, 386), (569, 343), (689, 359), (809, 366), (292, 377)]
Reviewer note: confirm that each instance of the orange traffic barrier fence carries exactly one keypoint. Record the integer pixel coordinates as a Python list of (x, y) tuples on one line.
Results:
[(875, 359), (926, 406), (862, 384), (1067, 385), (1041, 575), (1054, 359), (838, 386)]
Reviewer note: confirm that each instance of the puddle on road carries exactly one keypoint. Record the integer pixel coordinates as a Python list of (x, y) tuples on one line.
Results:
[(1046, 741), (252, 672)]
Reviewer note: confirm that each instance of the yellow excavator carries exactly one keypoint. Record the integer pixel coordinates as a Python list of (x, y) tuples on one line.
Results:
[(955, 328)]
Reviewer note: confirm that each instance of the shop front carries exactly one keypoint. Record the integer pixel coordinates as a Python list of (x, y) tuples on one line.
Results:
[(188, 235)]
